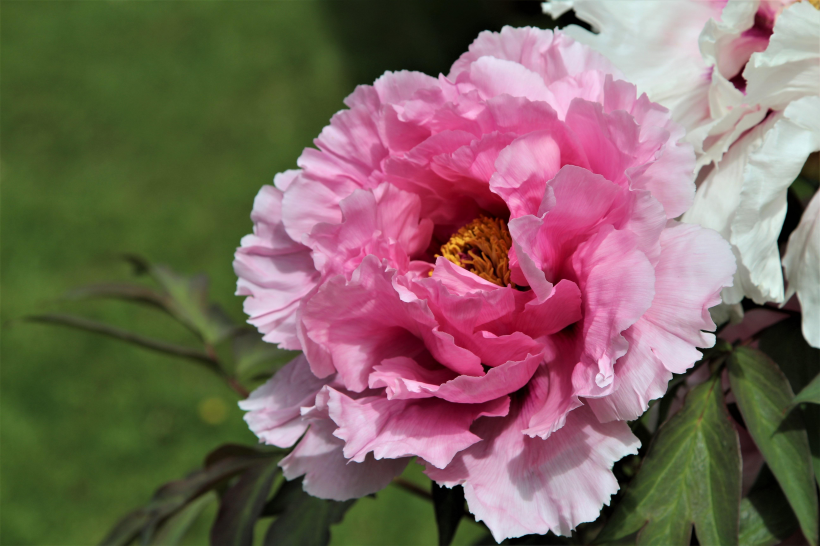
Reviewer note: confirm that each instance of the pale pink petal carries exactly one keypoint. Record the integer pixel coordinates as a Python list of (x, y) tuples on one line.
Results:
[(493, 77), (654, 44), (460, 316), (551, 55), (519, 485), (523, 169), (618, 284), (353, 137), (274, 270), (274, 408), (640, 376), (309, 202), (328, 474), (538, 318), (397, 87), (693, 268), (458, 280)]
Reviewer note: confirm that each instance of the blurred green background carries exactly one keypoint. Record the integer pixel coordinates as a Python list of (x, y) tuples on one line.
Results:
[(148, 127)]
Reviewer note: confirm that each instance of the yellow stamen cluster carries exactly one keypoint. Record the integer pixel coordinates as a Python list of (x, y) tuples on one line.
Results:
[(482, 246), (815, 3)]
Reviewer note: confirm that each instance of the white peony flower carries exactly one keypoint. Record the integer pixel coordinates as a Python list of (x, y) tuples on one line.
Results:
[(743, 77)]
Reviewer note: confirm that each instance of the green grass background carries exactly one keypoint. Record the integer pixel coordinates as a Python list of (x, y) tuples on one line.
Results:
[(148, 127)]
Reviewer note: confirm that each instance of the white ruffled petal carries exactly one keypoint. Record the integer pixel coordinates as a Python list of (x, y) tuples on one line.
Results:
[(769, 171), (802, 264), (789, 68)]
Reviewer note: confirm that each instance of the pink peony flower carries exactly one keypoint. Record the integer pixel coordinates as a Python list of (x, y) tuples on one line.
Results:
[(483, 272)]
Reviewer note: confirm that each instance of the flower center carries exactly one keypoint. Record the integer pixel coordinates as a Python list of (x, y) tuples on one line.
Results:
[(815, 3), (482, 246)]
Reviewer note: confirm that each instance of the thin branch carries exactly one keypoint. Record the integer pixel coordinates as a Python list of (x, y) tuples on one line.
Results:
[(81, 323), (237, 387)]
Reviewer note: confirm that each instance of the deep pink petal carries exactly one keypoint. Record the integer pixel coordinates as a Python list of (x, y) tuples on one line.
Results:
[(364, 321), (404, 378)]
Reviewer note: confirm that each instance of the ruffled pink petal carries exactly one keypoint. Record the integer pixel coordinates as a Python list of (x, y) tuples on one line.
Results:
[(618, 284), (397, 87), (551, 55), (274, 270), (499, 381), (309, 202), (562, 397), (450, 203), (538, 318), (353, 137), (403, 378), (328, 474), (519, 485), (362, 322), (610, 140), (461, 315), (695, 265), (383, 222), (429, 428), (493, 77), (274, 408), (523, 169), (575, 205), (458, 280), (640, 376)]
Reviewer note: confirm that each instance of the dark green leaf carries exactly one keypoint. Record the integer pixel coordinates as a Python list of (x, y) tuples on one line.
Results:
[(242, 505), (303, 520), (763, 394), (172, 497), (175, 528), (254, 356), (785, 344), (536, 540), (765, 517), (80, 323), (691, 474), (240, 451), (128, 528), (810, 393), (449, 507), (811, 418)]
